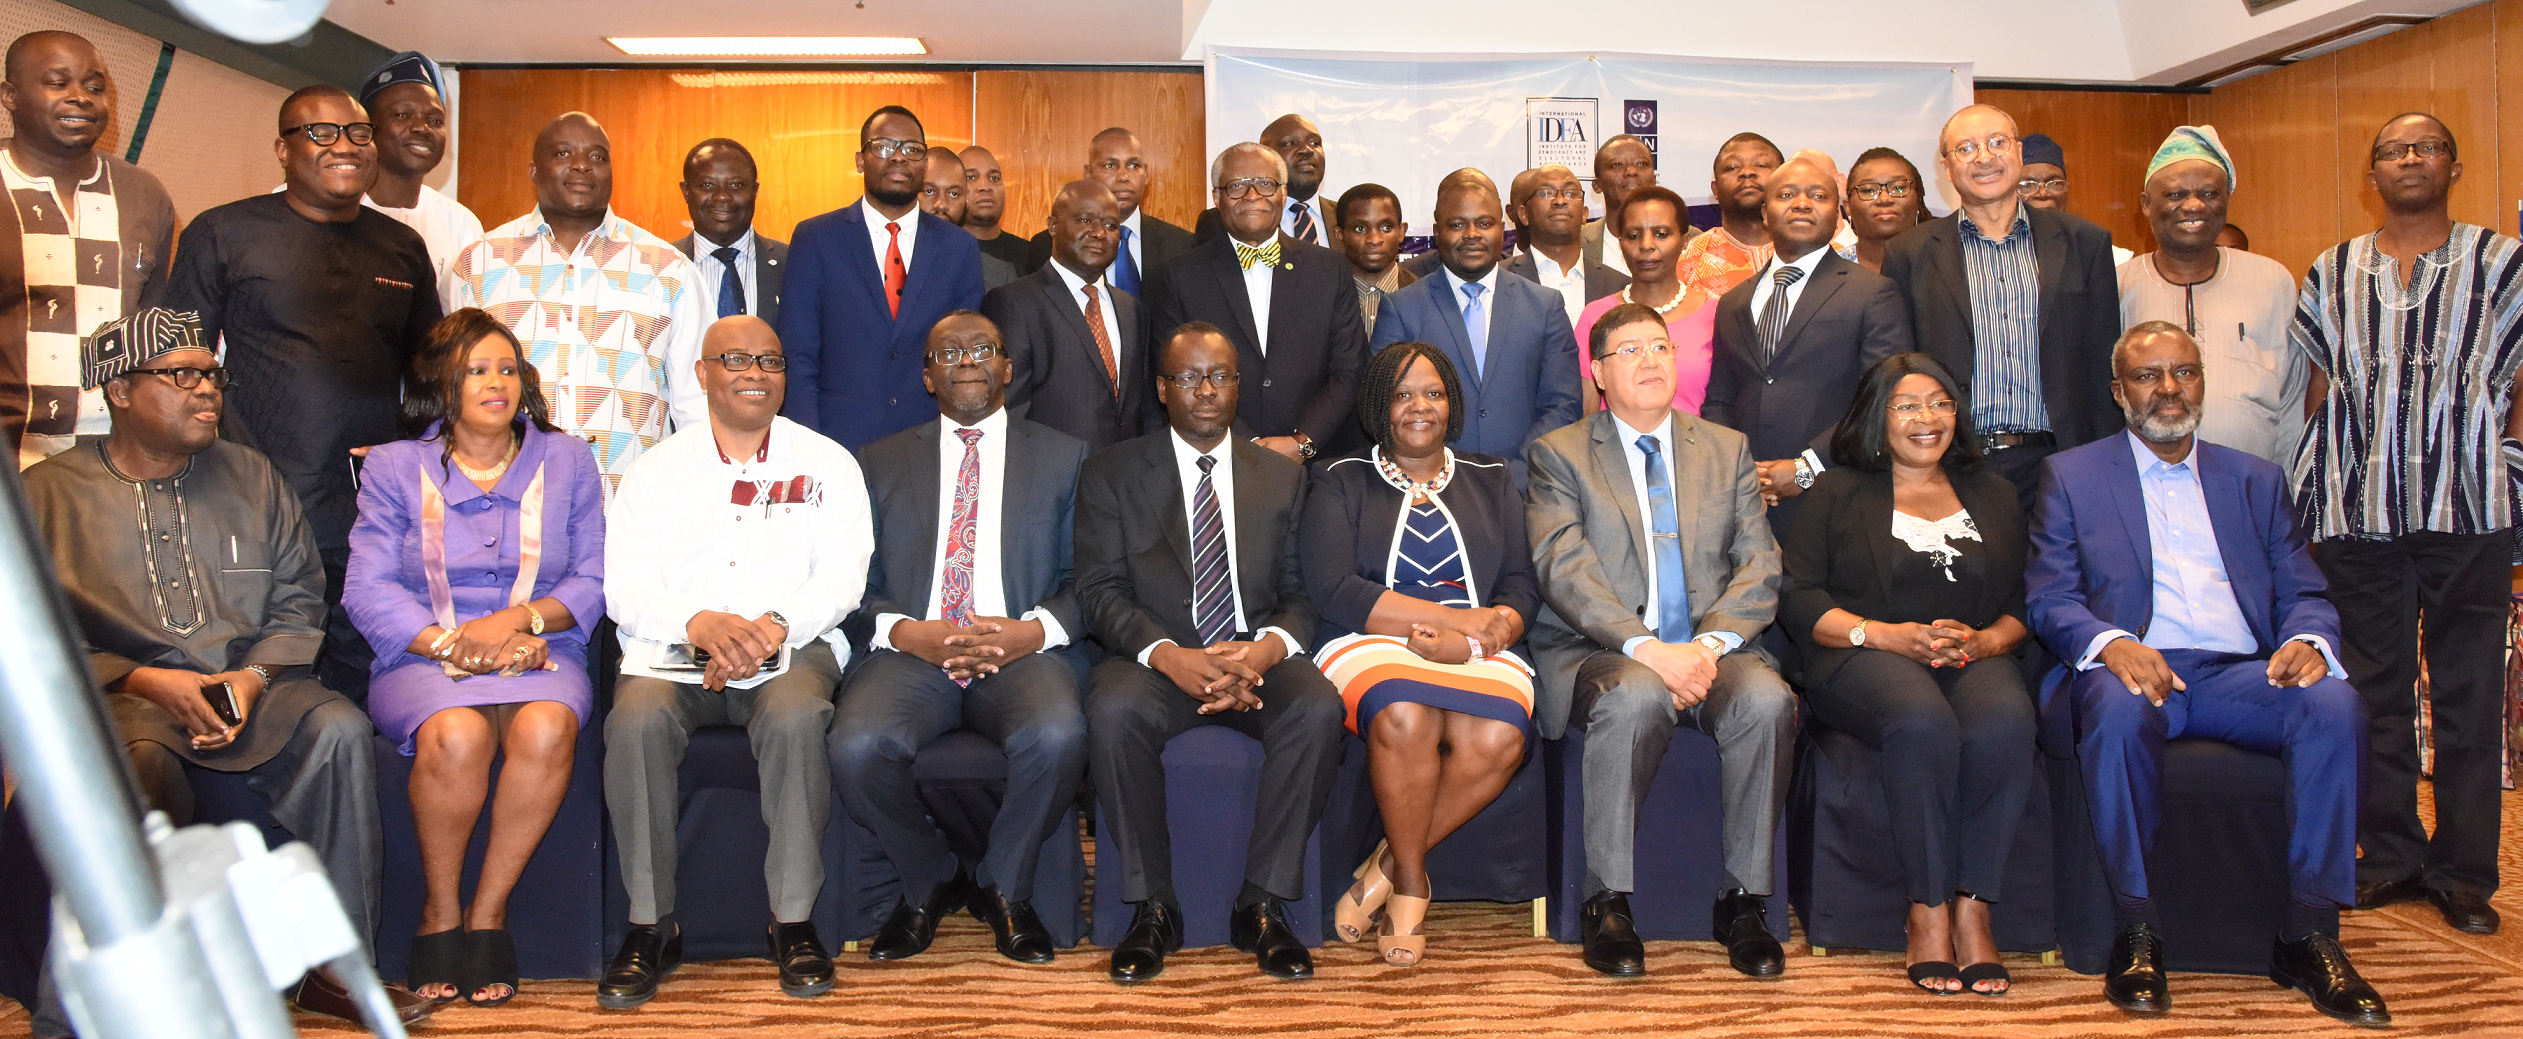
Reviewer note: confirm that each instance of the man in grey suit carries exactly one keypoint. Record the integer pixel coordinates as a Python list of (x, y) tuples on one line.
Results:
[(1550, 208), (1075, 341), (984, 635), (1660, 572), (741, 271), (1508, 337)]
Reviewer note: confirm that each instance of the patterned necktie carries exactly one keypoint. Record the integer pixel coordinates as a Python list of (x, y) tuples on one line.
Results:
[(1265, 255), (1212, 583), (731, 286), (1673, 590), (1774, 315), (1125, 269), (1476, 325), (1304, 230), (894, 274), (962, 528), (1103, 339)]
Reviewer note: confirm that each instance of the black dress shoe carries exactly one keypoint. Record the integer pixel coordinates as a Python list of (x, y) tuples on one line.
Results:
[(646, 957), (805, 968), (2319, 968), (1743, 927), (1014, 928), (1156, 928), (320, 993), (2377, 894), (2469, 914), (909, 931), (1262, 929), (1611, 937), (2133, 979)]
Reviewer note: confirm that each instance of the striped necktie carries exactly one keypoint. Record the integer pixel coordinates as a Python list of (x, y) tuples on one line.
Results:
[(1213, 581), (1774, 316)]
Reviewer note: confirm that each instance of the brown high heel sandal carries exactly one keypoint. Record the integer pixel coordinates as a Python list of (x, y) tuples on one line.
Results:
[(1404, 938), (1356, 911)]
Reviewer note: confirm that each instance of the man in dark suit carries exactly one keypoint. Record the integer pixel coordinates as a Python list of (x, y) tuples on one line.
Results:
[(871, 280), (1508, 337), (2231, 639), (741, 272), (1549, 205), (972, 526), (1291, 309), (1794, 341), (1309, 214), (1113, 160), (2021, 304), (1187, 572), (1081, 359)]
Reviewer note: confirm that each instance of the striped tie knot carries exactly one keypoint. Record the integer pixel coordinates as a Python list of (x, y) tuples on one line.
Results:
[(1266, 255)]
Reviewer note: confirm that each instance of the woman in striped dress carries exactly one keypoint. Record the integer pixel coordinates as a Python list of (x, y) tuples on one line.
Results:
[(1417, 563)]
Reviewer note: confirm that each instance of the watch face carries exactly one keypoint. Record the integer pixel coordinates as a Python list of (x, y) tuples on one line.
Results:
[(1857, 635)]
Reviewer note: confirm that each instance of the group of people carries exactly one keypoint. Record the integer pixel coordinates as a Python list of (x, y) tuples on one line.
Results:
[(317, 471)]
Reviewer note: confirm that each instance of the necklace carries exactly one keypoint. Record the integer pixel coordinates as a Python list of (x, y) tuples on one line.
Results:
[(492, 474), (1661, 311), (1410, 486)]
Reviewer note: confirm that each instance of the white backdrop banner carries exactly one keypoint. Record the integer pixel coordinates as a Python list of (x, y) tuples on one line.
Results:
[(1406, 120)]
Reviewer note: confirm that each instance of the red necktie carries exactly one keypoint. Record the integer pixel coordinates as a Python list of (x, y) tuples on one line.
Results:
[(893, 267), (1103, 339)]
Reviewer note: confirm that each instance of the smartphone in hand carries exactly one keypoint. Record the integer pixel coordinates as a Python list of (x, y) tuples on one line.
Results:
[(223, 702)]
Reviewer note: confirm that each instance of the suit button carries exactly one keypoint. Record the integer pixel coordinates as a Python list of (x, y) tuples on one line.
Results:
[(890, 402), (1769, 382), (1265, 384), (1484, 412), (1186, 600)]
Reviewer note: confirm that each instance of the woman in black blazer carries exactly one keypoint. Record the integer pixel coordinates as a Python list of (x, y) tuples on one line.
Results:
[(1905, 594), (1417, 563)]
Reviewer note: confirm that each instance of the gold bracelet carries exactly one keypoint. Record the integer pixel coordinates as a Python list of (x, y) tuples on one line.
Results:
[(534, 621)]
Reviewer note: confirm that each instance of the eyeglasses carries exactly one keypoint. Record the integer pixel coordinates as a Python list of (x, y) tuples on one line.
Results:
[(1547, 193), (1887, 189), (2028, 185), (324, 134), (187, 378), (1660, 348), (955, 355), (1192, 380), (1996, 144), (889, 148), (736, 361), (2430, 148), (1920, 408), (2185, 374), (1248, 188)]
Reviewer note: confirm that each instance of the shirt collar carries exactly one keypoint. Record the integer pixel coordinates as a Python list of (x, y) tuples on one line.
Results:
[(1630, 434), (1132, 222), (993, 428), (1488, 282), (1070, 278), (702, 247), (2022, 225), (878, 220), (1388, 282), (2148, 461), (1806, 263), (605, 228), (1549, 269), (1187, 455)]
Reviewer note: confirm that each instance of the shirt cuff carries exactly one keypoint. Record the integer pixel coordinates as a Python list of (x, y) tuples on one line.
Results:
[(1286, 641), (2093, 650), (884, 636), (2323, 645), (1813, 460), (1151, 650), (1731, 640), (1053, 635), (1630, 648)]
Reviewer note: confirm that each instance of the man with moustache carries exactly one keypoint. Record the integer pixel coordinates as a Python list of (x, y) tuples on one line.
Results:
[(1079, 356), (1509, 338), (322, 303), (973, 624), (1371, 229), (67, 199), (865, 284), (611, 316), (1886, 196), (406, 98), (1622, 165), (1291, 309), (1550, 208), (2236, 306), (1713, 263), (2044, 182), (1113, 159), (942, 196), (2231, 639), (741, 272), (985, 202), (1794, 344), (1307, 215)]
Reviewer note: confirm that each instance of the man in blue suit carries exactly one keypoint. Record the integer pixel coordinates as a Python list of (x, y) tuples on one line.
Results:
[(866, 282), (2229, 638), (1509, 337)]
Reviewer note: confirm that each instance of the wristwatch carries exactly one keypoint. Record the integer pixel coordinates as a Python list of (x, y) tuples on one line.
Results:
[(1715, 645), (1804, 473), (1305, 445), (1857, 635), (774, 617)]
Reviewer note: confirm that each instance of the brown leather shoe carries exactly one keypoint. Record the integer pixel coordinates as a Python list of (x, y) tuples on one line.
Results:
[(321, 993)]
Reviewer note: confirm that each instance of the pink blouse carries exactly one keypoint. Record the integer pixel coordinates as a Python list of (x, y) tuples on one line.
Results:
[(1693, 335)]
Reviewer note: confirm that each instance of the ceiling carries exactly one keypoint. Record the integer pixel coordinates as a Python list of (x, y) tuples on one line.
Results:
[(572, 31)]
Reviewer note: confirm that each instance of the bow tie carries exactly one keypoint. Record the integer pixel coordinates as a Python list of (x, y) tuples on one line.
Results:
[(1267, 255)]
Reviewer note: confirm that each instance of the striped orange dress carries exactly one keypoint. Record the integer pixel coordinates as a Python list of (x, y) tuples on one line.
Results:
[(1373, 671)]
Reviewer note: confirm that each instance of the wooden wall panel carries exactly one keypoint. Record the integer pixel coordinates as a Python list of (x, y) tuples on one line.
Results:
[(2509, 85), (2108, 137), (1039, 124)]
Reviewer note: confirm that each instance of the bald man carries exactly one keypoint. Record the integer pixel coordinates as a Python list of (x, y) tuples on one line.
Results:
[(985, 203), (1115, 160), (942, 196), (1307, 214)]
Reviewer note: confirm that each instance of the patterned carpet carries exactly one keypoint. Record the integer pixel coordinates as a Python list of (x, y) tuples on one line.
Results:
[(1487, 976)]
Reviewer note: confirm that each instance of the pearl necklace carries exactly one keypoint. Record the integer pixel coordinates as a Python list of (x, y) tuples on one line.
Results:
[(492, 474), (1668, 306)]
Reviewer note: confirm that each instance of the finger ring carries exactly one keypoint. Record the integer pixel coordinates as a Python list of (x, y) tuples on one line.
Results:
[(520, 654)]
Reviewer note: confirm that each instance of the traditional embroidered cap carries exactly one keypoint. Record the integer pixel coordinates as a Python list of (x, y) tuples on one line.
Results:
[(136, 339), (2193, 142), (407, 67), (2038, 147)]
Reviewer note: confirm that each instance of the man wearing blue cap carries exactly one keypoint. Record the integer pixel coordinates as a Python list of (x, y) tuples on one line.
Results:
[(2044, 184), (406, 98)]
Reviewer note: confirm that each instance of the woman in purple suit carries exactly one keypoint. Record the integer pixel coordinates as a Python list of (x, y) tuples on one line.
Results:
[(476, 571)]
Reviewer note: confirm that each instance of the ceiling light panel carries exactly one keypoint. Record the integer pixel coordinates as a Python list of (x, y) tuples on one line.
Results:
[(768, 46)]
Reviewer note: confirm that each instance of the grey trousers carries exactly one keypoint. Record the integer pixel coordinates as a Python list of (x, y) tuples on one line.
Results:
[(1628, 718), (644, 741)]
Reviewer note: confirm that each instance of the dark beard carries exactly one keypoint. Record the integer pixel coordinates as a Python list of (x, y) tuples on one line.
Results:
[(891, 201)]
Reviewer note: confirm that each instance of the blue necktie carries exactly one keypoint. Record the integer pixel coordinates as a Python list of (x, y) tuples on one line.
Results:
[(1125, 273), (731, 287), (1476, 327), (1673, 591)]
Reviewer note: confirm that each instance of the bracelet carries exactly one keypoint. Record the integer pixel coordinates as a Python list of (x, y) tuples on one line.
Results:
[(264, 672), (534, 620), (1477, 652)]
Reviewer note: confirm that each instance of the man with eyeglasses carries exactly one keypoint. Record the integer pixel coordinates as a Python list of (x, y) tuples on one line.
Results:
[(67, 199), (611, 316), (2229, 639), (1291, 309), (2021, 304), (1114, 160), (1307, 213), (1655, 554), (1187, 573), (942, 196), (407, 99), (1622, 166), (1886, 196), (971, 621), (742, 271), (732, 552), (866, 282), (2044, 182), (1079, 356), (2407, 483), (320, 304), (1549, 207)]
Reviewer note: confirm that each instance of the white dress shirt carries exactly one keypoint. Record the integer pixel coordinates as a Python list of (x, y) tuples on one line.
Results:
[(1763, 286), (714, 272), (1725, 641), (1489, 304), (445, 226), (1313, 206), (989, 584), (1104, 302), (1222, 483), (678, 544), (880, 238), (1569, 282), (1257, 280)]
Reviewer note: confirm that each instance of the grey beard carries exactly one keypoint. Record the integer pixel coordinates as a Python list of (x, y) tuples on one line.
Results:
[(2160, 431)]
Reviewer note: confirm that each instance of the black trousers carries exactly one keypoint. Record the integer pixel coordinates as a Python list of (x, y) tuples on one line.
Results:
[(1132, 711), (2460, 584), (342, 665), (2020, 466)]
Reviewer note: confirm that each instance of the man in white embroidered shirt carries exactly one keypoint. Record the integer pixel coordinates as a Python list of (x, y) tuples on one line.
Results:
[(728, 610)]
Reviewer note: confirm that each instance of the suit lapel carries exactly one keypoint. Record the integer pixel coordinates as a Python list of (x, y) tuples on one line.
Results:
[(860, 260), (1611, 468), (2049, 246), (1945, 251), (1458, 336), (1056, 290), (1222, 265), (922, 537), (1256, 528), (1688, 460), (2128, 501), (2235, 542), (1827, 279), (1287, 298), (1019, 471), (1741, 333), (1164, 488)]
